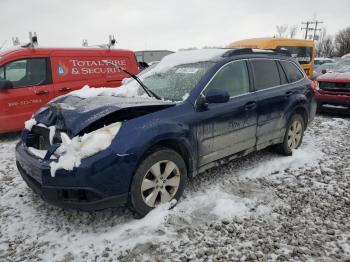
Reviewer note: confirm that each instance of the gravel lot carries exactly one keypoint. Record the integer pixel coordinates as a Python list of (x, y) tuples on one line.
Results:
[(261, 207)]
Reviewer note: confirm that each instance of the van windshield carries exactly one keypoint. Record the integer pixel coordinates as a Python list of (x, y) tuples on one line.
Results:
[(302, 54)]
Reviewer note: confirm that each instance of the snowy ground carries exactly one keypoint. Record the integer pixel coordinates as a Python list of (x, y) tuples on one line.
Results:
[(261, 207)]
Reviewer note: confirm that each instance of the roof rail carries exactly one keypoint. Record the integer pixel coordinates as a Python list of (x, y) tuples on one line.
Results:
[(242, 51)]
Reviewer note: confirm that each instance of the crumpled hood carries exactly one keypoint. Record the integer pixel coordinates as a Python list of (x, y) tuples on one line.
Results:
[(73, 114)]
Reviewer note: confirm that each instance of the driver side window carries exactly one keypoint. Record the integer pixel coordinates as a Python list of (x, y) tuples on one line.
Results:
[(25, 72), (232, 78)]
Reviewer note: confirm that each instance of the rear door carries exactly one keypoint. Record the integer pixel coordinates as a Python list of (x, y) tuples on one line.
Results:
[(228, 128), (272, 95), (32, 88)]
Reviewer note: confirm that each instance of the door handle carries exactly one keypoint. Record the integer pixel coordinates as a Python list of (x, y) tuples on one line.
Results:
[(64, 89), (41, 92), (289, 93), (250, 105)]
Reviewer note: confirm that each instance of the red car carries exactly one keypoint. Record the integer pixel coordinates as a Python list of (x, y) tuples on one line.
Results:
[(333, 92), (31, 77)]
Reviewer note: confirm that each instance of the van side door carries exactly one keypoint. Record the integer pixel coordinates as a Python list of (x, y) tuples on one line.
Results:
[(32, 88), (125, 60), (73, 70)]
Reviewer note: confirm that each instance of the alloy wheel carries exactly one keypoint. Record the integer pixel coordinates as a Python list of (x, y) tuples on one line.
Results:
[(160, 183), (295, 134)]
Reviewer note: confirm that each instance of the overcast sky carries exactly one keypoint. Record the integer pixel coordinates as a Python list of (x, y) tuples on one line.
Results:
[(161, 24)]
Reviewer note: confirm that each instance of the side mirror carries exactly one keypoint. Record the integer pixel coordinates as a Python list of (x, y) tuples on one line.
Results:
[(5, 84), (217, 96), (324, 71)]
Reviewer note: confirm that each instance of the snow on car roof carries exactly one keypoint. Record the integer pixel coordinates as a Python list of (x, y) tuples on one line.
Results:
[(188, 57)]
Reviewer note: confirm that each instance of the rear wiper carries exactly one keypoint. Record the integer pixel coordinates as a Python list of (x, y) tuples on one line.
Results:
[(145, 88)]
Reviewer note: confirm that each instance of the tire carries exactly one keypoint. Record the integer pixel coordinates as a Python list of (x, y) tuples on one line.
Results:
[(293, 136), (159, 178)]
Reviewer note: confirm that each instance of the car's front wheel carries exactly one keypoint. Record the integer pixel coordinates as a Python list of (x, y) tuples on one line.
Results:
[(159, 178), (293, 136)]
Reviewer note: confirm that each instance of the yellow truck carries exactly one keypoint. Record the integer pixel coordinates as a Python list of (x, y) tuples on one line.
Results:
[(302, 50)]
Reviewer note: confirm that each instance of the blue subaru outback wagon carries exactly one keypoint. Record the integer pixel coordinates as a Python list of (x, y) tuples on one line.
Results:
[(97, 148)]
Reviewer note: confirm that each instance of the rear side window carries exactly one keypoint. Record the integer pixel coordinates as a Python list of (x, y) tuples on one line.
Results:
[(266, 73), (26, 72), (232, 78), (292, 71), (283, 76)]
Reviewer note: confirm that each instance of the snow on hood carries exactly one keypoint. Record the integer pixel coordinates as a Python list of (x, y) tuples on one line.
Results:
[(122, 91), (74, 113), (334, 77)]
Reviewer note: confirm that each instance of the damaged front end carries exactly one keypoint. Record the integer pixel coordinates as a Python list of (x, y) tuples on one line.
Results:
[(65, 154), (71, 128)]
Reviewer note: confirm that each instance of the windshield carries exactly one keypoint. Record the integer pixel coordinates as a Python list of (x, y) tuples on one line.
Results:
[(342, 66), (174, 83), (302, 54)]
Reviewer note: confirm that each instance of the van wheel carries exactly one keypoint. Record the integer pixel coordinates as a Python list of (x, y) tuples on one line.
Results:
[(160, 177), (293, 136)]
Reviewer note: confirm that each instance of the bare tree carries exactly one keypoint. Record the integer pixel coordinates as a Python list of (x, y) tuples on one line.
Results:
[(281, 30), (342, 42), (325, 46), (293, 31)]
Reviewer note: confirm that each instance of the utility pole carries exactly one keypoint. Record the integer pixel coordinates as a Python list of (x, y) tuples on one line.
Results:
[(315, 30), (308, 28)]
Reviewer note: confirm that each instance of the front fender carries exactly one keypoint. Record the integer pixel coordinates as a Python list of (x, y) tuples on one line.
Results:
[(137, 139)]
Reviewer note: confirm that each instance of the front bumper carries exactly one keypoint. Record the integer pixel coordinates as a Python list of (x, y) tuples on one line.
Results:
[(92, 186), (333, 102)]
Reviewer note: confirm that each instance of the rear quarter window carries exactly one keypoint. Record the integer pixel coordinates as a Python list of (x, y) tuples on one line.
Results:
[(292, 71), (266, 73)]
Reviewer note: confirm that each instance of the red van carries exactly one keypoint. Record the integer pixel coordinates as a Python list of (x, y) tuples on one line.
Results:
[(31, 77)]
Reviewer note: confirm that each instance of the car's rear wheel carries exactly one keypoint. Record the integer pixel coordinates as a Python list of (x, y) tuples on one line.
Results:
[(159, 178), (293, 136)]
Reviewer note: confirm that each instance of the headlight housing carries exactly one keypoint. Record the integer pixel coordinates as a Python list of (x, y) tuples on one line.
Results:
[(72, 151)]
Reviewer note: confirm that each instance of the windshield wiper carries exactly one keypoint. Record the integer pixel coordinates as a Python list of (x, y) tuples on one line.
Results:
[(145, 88)]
